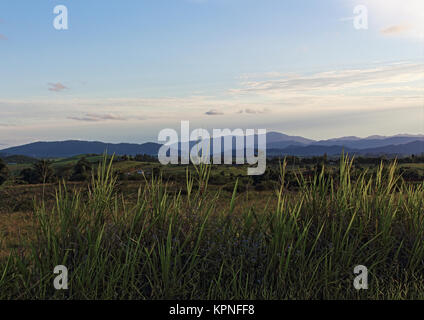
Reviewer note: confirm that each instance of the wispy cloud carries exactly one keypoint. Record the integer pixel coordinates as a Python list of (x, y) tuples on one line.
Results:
[(331, 81), (214, 112), (94, 117), (57, 87), (253, 111), (270, 100), (392, 16), (395, 30)]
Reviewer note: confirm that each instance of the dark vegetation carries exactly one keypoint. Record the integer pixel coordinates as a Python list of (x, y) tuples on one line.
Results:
[(135, 168), (132, 229), (4, 172)]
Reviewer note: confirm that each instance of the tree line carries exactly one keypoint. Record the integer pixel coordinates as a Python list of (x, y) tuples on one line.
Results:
[(43, 171)]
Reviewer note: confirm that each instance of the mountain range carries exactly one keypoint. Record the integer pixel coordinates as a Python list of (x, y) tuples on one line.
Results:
[(277, 144), (70, 148)]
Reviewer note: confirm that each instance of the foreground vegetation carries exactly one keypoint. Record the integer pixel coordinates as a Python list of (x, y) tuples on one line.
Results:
[(200, 243)]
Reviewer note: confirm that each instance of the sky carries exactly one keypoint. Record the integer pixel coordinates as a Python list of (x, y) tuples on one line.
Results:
[(124, 70)]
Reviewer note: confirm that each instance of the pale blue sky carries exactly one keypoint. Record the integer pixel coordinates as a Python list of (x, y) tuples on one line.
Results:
[(127, 69)]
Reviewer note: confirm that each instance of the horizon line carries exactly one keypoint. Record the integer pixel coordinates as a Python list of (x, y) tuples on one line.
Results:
[(418, 135)]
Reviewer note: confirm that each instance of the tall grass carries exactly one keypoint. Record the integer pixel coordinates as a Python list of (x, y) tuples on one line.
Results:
[(185, 246)]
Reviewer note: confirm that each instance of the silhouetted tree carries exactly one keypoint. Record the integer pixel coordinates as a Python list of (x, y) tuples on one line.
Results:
[(64, 172), (44, 170), (145, 158), (29, 176), (4, 172), (81, 171)]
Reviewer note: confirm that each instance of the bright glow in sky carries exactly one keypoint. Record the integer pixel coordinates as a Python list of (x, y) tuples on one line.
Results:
[(127, 69)]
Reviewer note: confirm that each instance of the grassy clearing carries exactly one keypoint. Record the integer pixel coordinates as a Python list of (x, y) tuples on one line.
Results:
[(191, 245)]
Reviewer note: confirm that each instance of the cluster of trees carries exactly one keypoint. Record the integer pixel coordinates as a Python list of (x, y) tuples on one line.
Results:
[(43, 172), (293, 160), (411, 174), (4, 172), (40, 172), (138, 157)]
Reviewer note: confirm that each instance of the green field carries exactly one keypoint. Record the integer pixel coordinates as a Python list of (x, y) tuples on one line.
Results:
[(210, 232)]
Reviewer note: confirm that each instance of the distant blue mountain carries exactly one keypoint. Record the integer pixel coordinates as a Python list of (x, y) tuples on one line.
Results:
[(415, 147), (72, 148), (309, 151), (369, 143), (277, 144)]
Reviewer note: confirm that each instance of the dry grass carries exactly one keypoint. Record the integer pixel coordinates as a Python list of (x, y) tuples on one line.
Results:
[(16, 230), (204, 243)]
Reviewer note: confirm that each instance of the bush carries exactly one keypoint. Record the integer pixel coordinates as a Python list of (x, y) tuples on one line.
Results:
[(266, 185), (218, 180), (4, 172), (81, 171)]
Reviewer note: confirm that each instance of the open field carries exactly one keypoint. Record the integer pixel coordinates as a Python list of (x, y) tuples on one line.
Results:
[(165, 239)]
